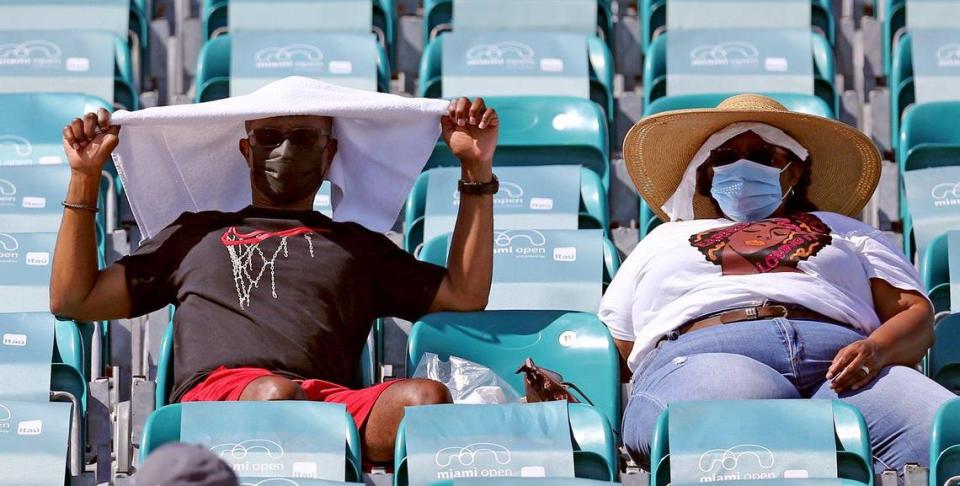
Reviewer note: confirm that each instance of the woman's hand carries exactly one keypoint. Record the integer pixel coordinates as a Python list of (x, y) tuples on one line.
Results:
[(856, 365)]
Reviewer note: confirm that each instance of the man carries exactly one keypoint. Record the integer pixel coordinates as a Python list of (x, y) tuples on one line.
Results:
[(274, 302)]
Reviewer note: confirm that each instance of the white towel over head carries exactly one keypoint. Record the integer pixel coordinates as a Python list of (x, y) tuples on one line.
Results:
[(180, 158)]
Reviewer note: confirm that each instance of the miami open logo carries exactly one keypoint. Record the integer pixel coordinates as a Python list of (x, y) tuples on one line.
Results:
[(8, 193), (948, 55), (509, 196), (34, 53), (734, 53), (15, 150), (946, 194), (520, 243), (8, 248), (731, 464), (513, 54), (293, 56), (5, 416)]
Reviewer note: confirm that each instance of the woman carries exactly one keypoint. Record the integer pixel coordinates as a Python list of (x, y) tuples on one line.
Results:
[(762, 286)]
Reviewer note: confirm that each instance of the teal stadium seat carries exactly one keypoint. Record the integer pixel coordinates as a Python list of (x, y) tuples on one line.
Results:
[(592, 212), (943, 359), (601, 69), (575, 344), (438, 18), (215, 21), (935, 273), (40, 367), (543, 269), (367, 369), (945, 445), (653, 19), (594, 445), (726, 422), (536, 130), (901, 84), (301, 442), (925, 142), (213, 69), (655, 71), (894, 27)]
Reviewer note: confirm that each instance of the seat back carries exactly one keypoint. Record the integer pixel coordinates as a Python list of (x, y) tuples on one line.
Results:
[(592, 444), (262, 57), (945, 444), (545, 197), (535, 130), (71, 61), (792, 101), (576, 345), (760, 439), (543, 269), (600, 67), (925, 140), (943, 360), (26, 259), (32, 125), (758, 78), (107, 15), (29, 197), (284, 439)]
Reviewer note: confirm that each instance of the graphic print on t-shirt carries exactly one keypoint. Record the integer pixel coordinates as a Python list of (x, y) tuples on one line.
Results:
[(250, 262), (765, 246)]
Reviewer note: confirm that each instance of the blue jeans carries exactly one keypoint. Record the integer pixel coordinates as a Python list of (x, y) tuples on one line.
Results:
[(781, 358)]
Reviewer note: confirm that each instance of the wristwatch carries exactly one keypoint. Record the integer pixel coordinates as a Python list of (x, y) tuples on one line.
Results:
[(479, 188)]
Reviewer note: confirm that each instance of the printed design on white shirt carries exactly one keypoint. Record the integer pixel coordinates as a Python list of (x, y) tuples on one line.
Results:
[(765, 246)]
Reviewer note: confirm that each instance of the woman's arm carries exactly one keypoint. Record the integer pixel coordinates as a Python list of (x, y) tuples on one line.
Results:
[(624, 348), (902, 339)]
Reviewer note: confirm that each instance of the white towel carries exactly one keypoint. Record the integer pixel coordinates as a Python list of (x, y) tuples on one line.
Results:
[(181, 158)]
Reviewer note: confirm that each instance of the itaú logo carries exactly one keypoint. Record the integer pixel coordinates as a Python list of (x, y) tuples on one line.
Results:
[(725, 54), (290, 56), (948, 55), (30, 53), (521, 243), (507, 53)]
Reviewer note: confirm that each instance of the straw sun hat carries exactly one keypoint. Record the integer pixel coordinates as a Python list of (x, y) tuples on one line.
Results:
[(658, 149)]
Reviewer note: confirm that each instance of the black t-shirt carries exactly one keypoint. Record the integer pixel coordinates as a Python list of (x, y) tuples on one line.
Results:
[(288, 291)]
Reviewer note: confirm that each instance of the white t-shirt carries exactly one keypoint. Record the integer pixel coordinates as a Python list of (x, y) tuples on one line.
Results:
[(684, 270)]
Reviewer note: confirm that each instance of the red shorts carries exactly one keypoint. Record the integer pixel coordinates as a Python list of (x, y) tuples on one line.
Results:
[(227, 384)]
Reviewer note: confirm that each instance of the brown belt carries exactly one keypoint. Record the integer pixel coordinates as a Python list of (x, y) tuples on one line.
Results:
[(753, 313)]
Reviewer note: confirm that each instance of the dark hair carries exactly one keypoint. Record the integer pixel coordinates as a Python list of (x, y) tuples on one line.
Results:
[(797, 202)]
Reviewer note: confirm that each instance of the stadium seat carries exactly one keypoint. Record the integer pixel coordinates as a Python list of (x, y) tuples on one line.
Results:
[(301, 15), (655, 71), (538, 130), (943, 359), (127, 20), (807, 436), (214, 65), (366, 370), (901, 84), (294, 440), (31, 130), (544, 197), (600, 67), (653, 19), (543, 269), (438, 18), (95, 63), (945, 445), (575, 344), (926, 142), (40, 368), (471, 451), (935, 273), (894, 27)]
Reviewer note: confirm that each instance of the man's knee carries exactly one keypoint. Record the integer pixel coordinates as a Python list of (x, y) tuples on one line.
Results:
[(425, 392), (273, 388)]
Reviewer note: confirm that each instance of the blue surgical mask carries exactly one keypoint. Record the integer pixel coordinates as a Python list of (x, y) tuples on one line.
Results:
[(746, 190)]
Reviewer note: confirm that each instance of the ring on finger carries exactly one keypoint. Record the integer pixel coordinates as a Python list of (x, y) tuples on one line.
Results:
[(865, 369)]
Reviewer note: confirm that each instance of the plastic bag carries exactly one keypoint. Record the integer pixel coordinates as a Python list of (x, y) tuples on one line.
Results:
[(467, 381)]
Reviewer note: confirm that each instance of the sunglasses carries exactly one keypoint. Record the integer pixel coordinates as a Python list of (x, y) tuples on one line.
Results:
[(763, 154), (269, 138)]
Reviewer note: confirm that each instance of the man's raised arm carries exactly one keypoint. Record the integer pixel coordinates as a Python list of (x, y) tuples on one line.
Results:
[(470, 130), (77, 288)]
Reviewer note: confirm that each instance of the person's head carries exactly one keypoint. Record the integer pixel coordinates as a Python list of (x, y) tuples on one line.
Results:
[(755, 179), (178, 464), (288, 157)]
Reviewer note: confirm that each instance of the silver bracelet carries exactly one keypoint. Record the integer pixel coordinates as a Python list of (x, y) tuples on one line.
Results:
[(81, 207)]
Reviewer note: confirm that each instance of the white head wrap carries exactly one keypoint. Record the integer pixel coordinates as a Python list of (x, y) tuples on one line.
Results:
[(186, 158), (680, 205)]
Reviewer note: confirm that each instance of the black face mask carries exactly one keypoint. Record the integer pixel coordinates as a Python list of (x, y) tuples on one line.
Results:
[(286, 174)]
